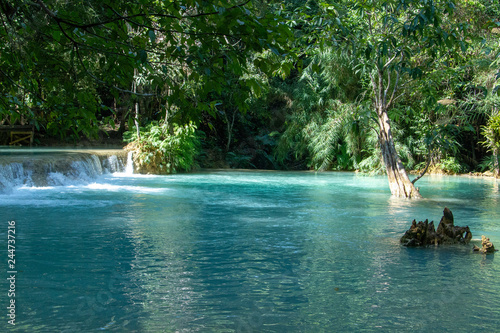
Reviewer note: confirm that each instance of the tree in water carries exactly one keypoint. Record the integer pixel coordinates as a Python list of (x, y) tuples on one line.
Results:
[(392, 41)]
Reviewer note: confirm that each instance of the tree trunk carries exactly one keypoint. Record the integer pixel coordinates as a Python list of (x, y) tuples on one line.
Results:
[(399, 182), (136, 120), (136, 106), (229, 129), (496, 166)]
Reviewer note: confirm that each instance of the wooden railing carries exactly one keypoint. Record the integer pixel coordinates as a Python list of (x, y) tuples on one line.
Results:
[(19, 134)]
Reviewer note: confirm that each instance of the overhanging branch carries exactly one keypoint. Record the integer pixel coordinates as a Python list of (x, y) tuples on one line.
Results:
[(105, 83), (129, 17)]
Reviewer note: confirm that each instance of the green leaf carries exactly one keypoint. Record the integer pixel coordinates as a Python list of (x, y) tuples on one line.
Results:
[(152, 36), (143, 56), (57, 35)]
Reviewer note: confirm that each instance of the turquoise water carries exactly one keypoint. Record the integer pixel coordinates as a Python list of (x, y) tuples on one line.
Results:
[(248, 252)]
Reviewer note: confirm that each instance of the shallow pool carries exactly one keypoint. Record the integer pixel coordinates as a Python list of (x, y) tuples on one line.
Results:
[(248, 252)]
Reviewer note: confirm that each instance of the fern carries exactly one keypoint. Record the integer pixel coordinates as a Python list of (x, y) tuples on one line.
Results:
[(319, 128)]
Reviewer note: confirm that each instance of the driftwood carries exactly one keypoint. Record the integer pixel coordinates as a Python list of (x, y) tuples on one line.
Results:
[(424, 233), (487, 246)]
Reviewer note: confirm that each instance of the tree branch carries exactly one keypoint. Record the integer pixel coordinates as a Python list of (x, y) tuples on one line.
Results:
[(127, 19), (380, 90), (390, 61), (121, 18), (396, 84), (21, 87), (425, 169), (374, 84), (387, 86), (105, 83)]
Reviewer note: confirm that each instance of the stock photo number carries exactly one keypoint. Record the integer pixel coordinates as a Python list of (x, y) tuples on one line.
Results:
[(11, 272)]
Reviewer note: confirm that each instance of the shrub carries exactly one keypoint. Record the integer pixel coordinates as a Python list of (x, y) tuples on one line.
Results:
[(451, 165), (163, 149)]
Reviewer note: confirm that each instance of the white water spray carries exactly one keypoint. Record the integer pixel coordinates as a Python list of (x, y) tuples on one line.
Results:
[(57, 168), (129, 168)]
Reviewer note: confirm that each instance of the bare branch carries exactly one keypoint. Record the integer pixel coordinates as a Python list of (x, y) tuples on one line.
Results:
[(425, 169), (374, 84), (396, 84), (380, 89), (390, 61), (388, 85), (46, 9), (370, 27)]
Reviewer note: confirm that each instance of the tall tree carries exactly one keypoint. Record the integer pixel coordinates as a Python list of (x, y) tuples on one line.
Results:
[(394, 41)]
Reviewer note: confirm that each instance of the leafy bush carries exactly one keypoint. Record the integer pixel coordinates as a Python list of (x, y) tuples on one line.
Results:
[(239, 161), (489, 163), (451, 165), (162, 149), (491, 133)]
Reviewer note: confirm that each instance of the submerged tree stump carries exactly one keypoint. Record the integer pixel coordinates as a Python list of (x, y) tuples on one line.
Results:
[(487, 246), (424, 233)]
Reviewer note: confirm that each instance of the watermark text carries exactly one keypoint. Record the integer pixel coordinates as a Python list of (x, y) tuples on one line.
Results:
[(11, 272)]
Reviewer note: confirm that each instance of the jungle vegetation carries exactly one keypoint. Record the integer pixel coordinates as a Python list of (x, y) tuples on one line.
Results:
[(394, 86)]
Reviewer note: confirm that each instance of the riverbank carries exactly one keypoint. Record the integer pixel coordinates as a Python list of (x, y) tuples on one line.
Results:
[(110, 142), (485, 174)]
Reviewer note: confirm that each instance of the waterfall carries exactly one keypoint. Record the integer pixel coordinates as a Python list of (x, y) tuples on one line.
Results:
[(56, 167), (69, 172), (129, 167), (14, 175), (113, 164)]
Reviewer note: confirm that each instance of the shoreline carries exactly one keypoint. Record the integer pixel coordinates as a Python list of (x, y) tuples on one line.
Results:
[(107, 149)]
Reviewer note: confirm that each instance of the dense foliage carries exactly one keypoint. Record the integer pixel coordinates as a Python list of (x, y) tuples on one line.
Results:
[(254, 84), (163, 149)]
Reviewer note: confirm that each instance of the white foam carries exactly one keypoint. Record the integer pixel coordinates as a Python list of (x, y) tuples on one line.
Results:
[(112, 164), (135, 175), (65, 171), (124, 188), (14, 175), (129, 168)]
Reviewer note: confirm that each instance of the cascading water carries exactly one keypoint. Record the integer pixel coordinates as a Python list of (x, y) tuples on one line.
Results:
[(56, 167), (112, 164), (129, 168), (82, 169), (14, 175)]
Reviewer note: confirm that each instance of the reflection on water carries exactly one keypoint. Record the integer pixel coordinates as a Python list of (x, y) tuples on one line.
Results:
[(249, 251)]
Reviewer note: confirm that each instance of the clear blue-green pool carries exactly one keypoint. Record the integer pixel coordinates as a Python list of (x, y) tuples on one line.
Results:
[(248, 252)]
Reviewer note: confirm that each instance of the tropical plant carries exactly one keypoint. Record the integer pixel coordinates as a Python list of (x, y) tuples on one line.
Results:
[(164, 149), (491, 133), (387, 37), (324, 123)]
